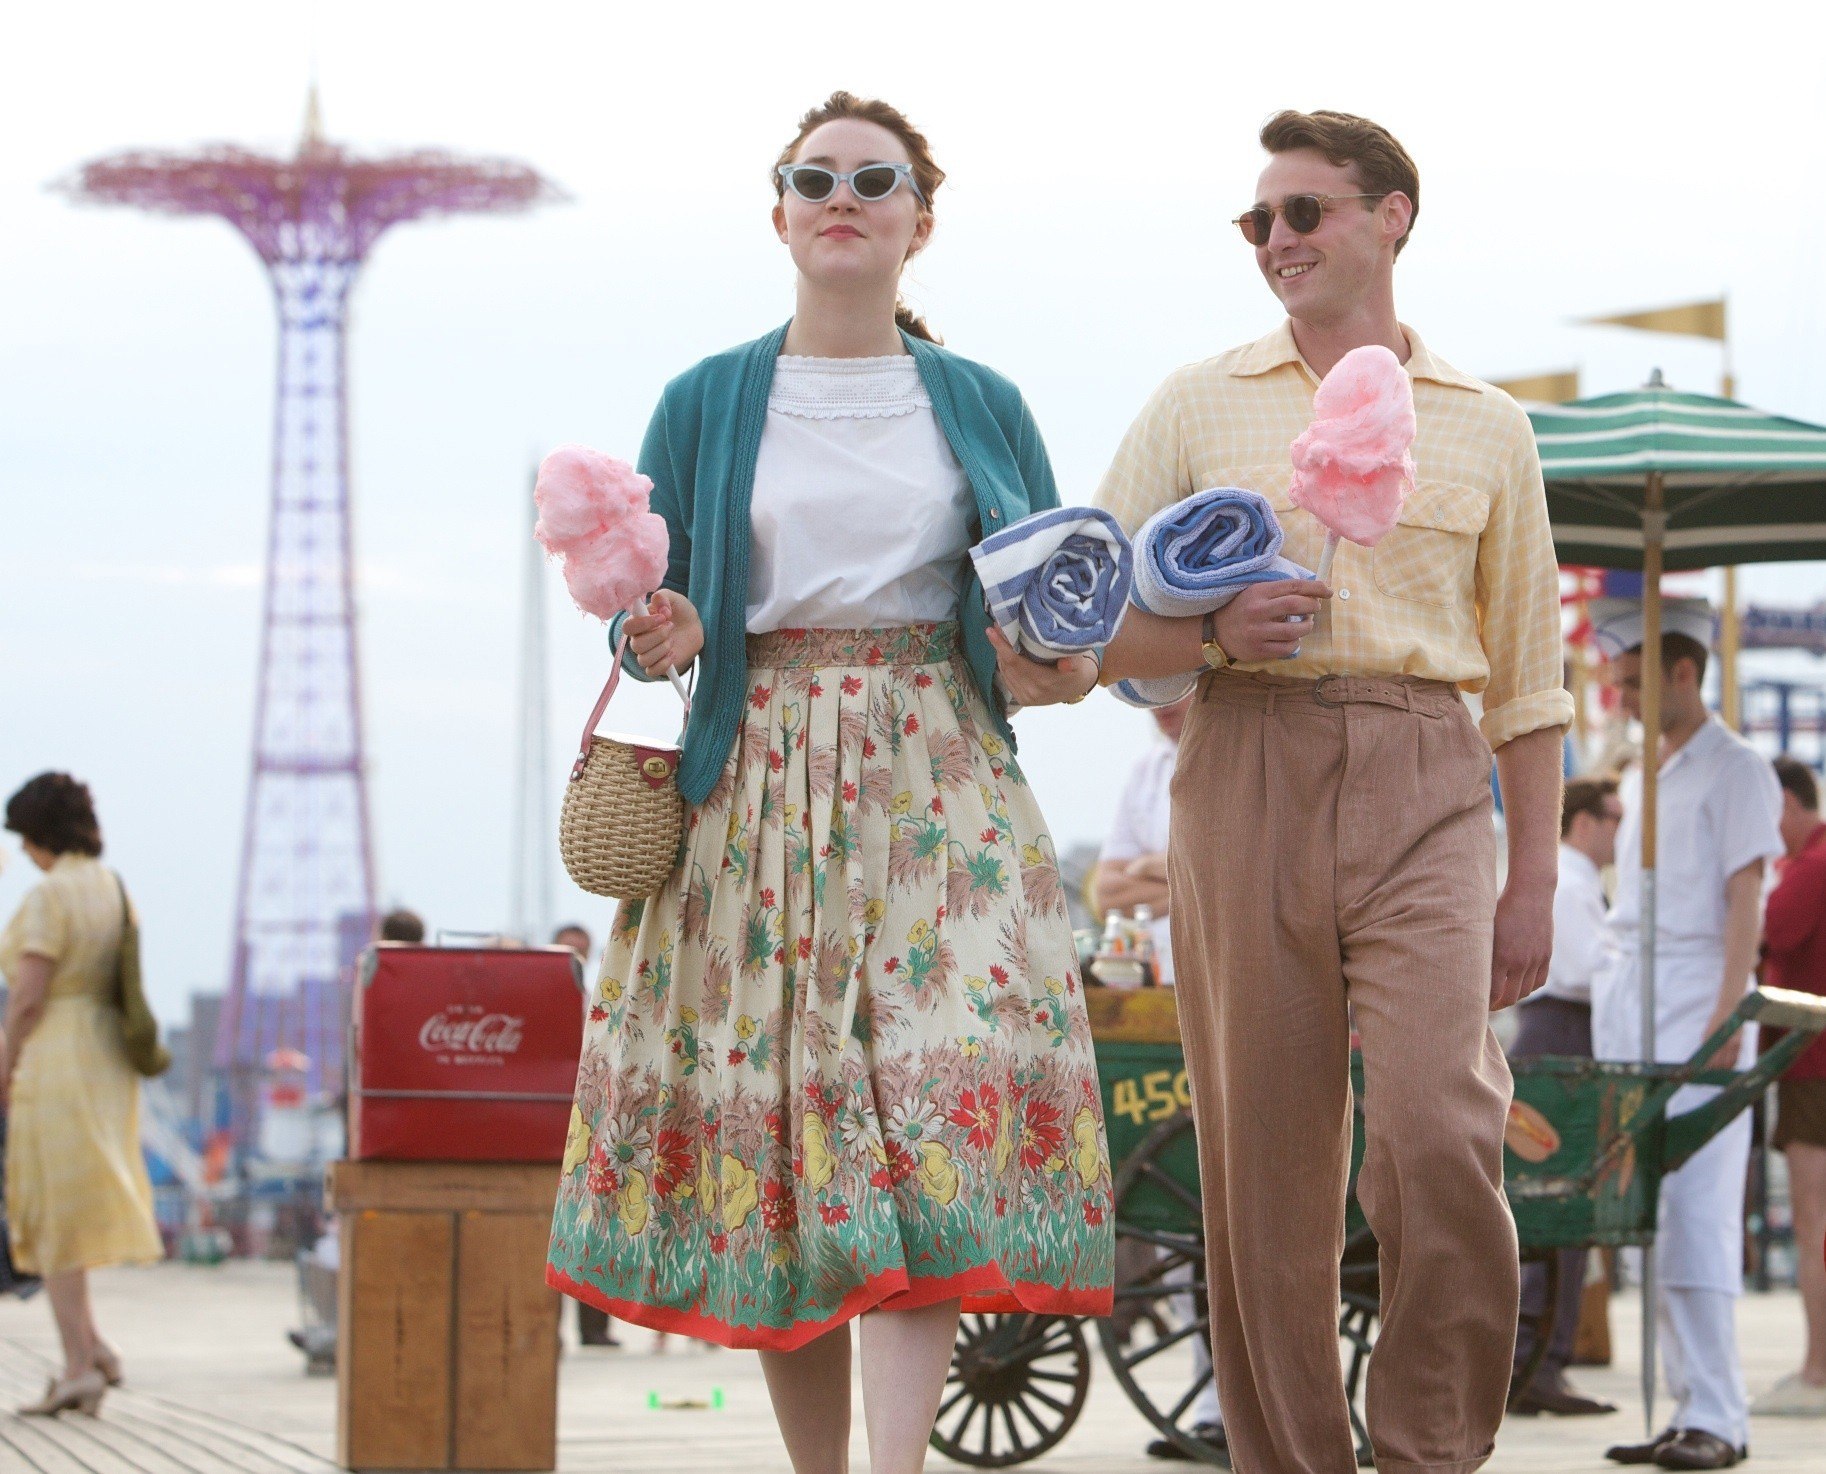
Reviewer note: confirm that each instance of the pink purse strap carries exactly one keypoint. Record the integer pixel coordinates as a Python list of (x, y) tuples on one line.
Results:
[(602, 705)]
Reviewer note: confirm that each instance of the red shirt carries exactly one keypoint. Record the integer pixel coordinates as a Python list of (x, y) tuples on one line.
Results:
[(1794, 938)]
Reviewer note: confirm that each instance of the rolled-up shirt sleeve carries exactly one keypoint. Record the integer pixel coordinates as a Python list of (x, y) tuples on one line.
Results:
[(1518, 606)]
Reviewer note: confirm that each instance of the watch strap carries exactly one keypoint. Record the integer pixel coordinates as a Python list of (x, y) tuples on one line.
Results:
[(1215, 655)]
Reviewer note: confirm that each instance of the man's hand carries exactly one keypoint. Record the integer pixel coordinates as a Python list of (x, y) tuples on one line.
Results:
[(668, 635), (1523, 944), (1743, 919), (1042, 682), (1727, 1055), (1149, 867), (1267, 621)]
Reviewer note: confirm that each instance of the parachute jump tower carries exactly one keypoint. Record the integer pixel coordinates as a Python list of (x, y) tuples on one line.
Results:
[(306, 879)]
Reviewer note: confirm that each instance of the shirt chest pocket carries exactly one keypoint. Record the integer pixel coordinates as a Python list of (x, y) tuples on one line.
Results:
[(1430, 557)]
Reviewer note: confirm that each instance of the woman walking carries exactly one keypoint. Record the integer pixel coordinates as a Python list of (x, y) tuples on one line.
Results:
[(839, 1064), (77, 1194)]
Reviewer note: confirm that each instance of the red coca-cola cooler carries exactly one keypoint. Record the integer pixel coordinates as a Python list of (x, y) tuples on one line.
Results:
[(464, 1053)]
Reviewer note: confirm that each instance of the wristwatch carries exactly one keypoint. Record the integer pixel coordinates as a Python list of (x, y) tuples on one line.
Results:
[(1215, 655)]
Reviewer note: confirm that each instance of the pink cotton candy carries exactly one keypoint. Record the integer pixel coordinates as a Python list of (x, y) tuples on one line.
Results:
[(1352, 468), (593, 516), (613, 572), (582, 493)]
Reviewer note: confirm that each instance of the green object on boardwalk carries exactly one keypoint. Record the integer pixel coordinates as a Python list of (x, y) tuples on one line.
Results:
[(1587, 1145)]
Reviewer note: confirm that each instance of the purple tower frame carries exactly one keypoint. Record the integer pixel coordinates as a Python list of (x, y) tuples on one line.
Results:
[(307, 872)]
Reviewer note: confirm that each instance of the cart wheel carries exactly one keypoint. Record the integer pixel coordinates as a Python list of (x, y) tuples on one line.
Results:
[(1017, 1384), (1360, 1282), (1161, 1308)]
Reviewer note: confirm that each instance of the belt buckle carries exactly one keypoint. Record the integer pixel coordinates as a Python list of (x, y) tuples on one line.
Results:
[(1319, 694)]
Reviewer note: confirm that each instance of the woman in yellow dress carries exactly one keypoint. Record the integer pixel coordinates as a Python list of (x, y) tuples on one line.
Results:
[(77, 1194)]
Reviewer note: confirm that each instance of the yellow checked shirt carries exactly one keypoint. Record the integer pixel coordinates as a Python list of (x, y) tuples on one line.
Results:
[(1465, 589)]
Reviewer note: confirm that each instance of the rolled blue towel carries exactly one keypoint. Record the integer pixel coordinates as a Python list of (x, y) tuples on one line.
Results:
[(1057, 582), (1196, 556)]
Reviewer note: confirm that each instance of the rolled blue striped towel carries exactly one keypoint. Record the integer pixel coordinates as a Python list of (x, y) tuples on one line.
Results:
[(1058, 582), (1196, 556)]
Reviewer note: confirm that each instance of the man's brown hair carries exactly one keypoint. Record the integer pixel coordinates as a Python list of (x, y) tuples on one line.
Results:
[(1381, 164), (1584, 796)]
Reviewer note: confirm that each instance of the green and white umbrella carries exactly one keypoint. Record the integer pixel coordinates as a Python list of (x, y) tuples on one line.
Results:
[(1738, 485), (1657, 480)]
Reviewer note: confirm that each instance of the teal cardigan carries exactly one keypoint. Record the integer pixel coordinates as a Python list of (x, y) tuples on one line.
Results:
[(700, 452)]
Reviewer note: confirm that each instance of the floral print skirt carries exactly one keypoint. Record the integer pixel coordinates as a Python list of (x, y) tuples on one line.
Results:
[(841, 1060)]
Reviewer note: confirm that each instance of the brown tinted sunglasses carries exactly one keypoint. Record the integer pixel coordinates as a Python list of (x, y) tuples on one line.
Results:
[(1304, 214)]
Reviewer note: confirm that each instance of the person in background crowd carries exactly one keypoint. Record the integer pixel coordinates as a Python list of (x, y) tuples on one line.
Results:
[(594, 1326), (1131, 872), (1794, 956), (77, 1194), (1718, 822), (1557, 1020), (576, 938), (401, 925)]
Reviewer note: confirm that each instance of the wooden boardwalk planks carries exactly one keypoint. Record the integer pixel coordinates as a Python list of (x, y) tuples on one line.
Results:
[(213, 1388)]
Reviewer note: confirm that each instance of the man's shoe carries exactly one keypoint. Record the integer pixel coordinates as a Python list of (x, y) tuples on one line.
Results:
[(1641, 1453), (1697, 1449), (1211, 1433), (1549, 1393)]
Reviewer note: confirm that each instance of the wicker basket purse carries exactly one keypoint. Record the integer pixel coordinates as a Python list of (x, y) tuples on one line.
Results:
[(622, 818)]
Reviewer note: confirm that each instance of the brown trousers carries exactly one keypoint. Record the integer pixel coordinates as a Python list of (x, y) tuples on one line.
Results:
[(1333, 863)]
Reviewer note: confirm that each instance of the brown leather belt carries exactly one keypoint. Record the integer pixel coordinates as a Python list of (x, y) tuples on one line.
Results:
[(1377, 691), (1404, 693)]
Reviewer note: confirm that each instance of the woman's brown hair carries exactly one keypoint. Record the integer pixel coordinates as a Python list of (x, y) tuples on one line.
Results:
[(926, 173), (56, 813)]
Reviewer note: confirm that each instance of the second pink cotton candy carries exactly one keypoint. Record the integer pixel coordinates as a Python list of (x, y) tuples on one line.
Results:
[(1353, 468)]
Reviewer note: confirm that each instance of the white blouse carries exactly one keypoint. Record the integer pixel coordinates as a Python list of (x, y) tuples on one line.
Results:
[(861, 515)]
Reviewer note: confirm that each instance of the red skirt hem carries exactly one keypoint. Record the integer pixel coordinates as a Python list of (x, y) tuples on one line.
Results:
[(984, 1291)]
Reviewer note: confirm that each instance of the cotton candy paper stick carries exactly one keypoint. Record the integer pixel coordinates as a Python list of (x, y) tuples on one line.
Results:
[(594, 518), (1331, 551), (1352, 467)]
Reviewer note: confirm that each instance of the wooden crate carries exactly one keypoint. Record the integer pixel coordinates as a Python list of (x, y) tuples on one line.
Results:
[(447, 1352)]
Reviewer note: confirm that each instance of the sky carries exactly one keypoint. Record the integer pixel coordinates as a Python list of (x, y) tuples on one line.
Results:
[(1575, 160)]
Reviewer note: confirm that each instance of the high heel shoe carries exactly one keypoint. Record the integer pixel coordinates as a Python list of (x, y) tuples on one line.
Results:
[(107, 1362), (82, 1394)]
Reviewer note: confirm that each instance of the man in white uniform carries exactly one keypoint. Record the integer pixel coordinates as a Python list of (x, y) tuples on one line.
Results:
[(1718, 825), (1131, 872)]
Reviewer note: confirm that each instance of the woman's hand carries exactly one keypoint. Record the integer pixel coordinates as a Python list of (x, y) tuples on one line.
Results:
[(668, 635), (1040, 682)]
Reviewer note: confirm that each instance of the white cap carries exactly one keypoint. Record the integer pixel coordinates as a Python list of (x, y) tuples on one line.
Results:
[(1616, 624)]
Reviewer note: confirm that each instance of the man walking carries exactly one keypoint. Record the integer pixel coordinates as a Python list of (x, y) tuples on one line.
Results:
[(1557, 1020), (1794, 956), (1333, 854), (1717, 816)]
